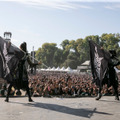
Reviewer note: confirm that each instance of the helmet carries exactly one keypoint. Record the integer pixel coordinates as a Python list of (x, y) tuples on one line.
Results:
[(23, 46)]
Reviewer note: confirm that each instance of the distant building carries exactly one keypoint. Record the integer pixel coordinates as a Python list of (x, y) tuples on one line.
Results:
[(84, 67)]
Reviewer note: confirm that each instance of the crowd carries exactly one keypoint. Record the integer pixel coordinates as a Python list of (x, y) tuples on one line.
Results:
[(49, 84)]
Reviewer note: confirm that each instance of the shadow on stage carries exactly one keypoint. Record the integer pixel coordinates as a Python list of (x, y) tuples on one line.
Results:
[(81, 112)]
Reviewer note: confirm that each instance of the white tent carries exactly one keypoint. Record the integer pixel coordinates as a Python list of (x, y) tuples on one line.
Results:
[(57, 69), (42, 69), (68, 69), (48, 69), (53, 69), (62, 69)]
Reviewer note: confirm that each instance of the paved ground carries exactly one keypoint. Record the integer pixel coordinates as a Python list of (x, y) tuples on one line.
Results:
[(60, 109)]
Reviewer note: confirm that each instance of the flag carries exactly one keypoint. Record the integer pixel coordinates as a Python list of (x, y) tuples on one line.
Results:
[(99, 62), (9, 59)]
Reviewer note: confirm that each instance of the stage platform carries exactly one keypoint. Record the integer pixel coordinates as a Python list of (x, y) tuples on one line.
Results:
[(84, 108)]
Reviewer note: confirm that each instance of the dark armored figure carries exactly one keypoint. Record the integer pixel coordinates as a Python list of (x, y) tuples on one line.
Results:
[(20, 75), (111, 78)]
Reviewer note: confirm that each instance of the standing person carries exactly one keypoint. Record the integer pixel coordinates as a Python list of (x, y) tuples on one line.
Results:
[(20, 75), (111, 78), (102, 68)]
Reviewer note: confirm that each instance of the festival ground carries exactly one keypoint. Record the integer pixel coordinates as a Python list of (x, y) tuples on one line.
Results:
[(60, 109)]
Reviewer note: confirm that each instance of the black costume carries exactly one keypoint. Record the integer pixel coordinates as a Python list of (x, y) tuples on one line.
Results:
[(20, 75), (111, 78)]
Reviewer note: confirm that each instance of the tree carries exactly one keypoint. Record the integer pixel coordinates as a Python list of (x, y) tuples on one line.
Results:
[(71, 61), (58, 57), (110, 41), (64, 44), (75, 52)]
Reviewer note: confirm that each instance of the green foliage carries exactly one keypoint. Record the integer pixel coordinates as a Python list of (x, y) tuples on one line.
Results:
[(64, 44), (71, 61), (75, 52), (58, 57)]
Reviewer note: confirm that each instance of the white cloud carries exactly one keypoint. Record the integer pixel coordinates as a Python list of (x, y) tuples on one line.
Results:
[(53, 1), (62, 4), (113, 7), (58, 4), (109, 7), (93, 0)]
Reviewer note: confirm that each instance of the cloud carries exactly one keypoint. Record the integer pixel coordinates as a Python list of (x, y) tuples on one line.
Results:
[(53, 1), (109, 7), (57, 1), (113, 6), (62, 4), (93, 0), (57, 4)]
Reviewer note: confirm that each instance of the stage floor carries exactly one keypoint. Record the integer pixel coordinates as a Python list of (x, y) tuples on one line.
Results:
[(84, 108)]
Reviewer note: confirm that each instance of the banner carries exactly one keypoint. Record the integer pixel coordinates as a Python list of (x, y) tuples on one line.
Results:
[(99, 62), (9, 59)]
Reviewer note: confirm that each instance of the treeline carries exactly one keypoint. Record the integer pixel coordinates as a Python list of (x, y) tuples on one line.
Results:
[(74, 52)]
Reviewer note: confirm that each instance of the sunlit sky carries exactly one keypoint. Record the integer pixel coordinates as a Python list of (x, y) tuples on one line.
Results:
[(40, 21)]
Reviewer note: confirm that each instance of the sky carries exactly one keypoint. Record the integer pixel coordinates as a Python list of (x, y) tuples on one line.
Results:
[(52, 21)]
